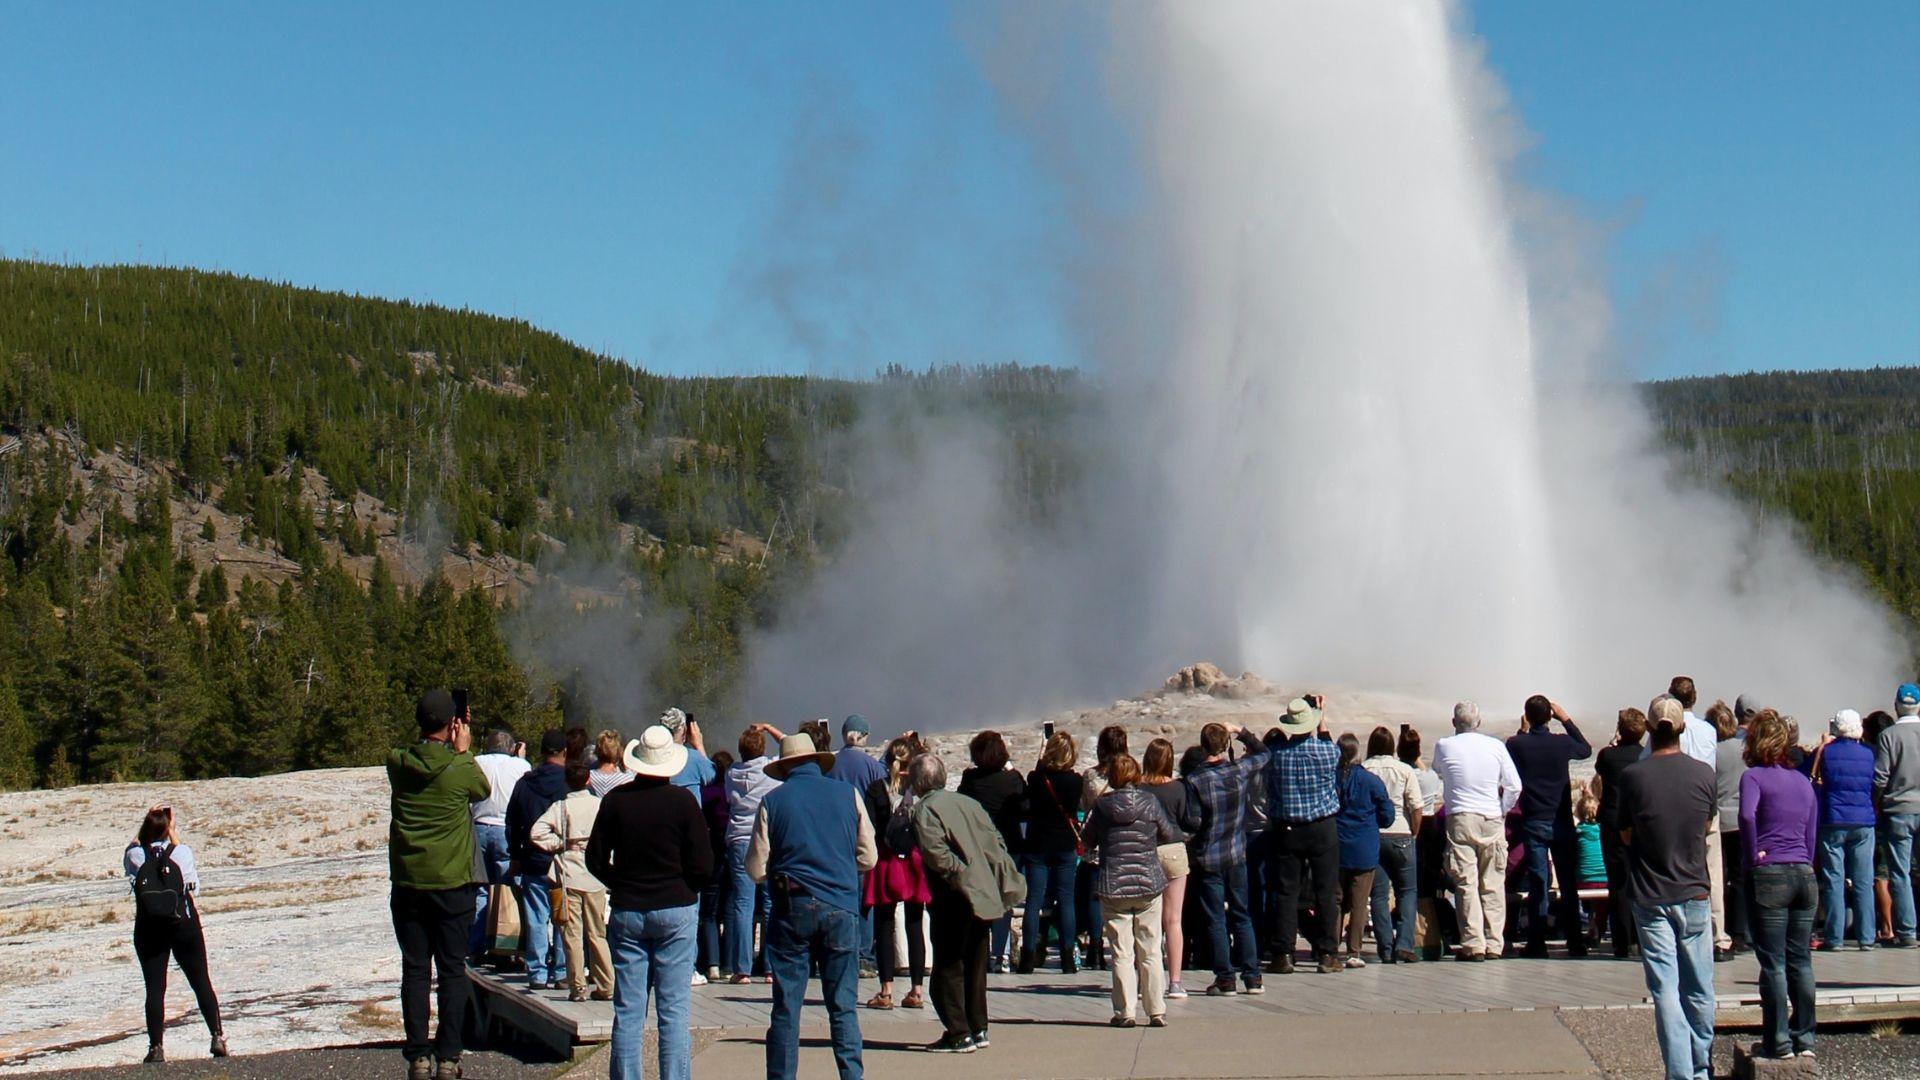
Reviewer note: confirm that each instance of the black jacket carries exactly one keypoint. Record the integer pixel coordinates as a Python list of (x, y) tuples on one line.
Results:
[(1003, 795), (1127, 826), (539, 789), (1052, 797), (650, 846)]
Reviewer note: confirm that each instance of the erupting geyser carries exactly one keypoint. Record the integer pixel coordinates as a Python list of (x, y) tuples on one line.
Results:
[(1343, 438)]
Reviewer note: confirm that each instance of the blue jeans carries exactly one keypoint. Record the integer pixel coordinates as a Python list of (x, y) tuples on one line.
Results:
[(1223, 897), (1551, 838), (546, 960), (1846, 852), (746, 904), (1050, 880), (652, 950), (1398, 878), (1901, 830), (1780, 925), (1002, 930), (1676, 952), (492, 841), (711, 915), (800, 928)]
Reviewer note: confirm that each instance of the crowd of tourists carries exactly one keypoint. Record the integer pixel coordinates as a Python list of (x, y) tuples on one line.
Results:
[(649, 866)]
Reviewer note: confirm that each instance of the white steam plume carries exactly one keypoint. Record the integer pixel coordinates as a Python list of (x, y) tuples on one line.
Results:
[(1361, 428)]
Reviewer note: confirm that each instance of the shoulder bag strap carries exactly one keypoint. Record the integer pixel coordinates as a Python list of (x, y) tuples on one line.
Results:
[(1058, 805)]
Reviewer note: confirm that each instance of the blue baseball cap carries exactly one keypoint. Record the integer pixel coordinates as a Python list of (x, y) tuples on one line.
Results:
[(855, 723), (1908, 697)]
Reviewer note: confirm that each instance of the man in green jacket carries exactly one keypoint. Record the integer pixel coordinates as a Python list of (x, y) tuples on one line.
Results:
[(430, 846)]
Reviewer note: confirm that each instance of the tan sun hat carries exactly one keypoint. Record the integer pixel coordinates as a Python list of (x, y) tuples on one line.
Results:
[(655, 753), (1301, 717), (797, 750)]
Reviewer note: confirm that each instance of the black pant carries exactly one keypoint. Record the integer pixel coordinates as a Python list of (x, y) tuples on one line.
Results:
[(883, 950), (1781, 924), (153, 941), (1733, 863), (432, 928), (959, 983), (1619, 912), (1299, 850)]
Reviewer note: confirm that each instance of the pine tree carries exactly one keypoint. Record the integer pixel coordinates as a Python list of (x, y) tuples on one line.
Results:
[(16, 742)]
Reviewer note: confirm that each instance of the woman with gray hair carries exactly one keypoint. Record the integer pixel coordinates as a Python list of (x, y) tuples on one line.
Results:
[(973, 882), (1842, 774)]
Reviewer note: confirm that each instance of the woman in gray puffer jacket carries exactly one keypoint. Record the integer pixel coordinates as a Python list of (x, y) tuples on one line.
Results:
[(1128, 827)]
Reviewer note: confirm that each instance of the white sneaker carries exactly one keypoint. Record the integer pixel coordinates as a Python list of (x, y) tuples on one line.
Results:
[(713, 974), (1356, 962), (699, 979)]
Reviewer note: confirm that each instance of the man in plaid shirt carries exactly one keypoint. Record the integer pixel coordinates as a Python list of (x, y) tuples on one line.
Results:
[(1220, 855), (1304, 795)]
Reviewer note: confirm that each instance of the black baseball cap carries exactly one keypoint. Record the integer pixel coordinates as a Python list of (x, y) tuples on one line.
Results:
[(434, 711), (553, 742)]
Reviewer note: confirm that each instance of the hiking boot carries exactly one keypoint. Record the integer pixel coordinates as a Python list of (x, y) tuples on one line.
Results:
[(219, 1046), (1329, 964), (420, 1069), (1222, 988), (449, 1069), (1280, 965), (1405, 956), (155, 1055)]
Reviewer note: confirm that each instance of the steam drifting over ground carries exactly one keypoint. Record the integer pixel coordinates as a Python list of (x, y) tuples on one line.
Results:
[(1356, 423)]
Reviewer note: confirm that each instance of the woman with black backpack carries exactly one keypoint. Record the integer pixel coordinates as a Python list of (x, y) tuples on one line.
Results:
[(167, 921)]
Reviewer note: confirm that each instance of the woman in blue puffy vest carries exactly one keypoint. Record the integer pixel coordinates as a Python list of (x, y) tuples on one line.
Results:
[(1842, 773)]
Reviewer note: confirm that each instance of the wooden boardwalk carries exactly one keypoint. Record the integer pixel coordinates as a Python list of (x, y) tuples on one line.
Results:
[(1870, 985)]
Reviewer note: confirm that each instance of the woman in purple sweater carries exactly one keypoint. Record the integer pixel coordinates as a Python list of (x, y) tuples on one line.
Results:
[(1779, 819)]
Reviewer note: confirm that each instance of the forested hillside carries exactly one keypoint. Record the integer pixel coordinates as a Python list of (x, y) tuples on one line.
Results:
[(244, 524), (1836, 451)]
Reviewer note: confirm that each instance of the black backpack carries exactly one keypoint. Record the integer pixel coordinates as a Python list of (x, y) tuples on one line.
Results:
[(159, 889)]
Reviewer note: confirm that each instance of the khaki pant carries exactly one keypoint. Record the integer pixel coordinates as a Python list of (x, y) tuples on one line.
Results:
[(1477, 865), (587, 911), (1717, 887), (1133, 945)]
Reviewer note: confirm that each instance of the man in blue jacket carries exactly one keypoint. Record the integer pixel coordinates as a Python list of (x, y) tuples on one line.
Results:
[(539, 789), (1541, 757), (811, 840)]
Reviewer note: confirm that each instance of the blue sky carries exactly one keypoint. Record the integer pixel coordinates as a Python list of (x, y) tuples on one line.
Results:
[(776, 188)]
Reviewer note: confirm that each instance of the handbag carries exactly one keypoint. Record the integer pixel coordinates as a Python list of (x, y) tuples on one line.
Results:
[(1079, 842)]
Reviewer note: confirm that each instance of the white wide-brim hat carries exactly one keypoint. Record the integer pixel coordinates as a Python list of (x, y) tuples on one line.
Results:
[(655, 753)]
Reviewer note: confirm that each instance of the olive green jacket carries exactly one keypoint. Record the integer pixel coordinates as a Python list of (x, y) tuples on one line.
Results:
[(430, 844), (960, 846)]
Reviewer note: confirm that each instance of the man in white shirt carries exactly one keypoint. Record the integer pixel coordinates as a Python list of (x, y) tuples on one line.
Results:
[(1481, 785), (503, 764), (1699, 740)]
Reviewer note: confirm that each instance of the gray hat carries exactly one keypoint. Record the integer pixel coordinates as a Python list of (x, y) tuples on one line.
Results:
[(1744, 707)]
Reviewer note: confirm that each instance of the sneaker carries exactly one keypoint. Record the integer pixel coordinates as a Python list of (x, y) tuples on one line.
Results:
[(1808, 1054), (1405, 956), (1254, 986), (420, 1069), (1222, 988), (1721, 956), (1175, 991), (1156, 1021), (1899, 943), (1866, 946), (155, 1055), (1123, 1022), (1280, 965), (980, 1041), (531, 985), (1356, 962), (449, 1069), (867, 971), (699, 979), (713, 974), (1470, 956), (953, 1044)]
